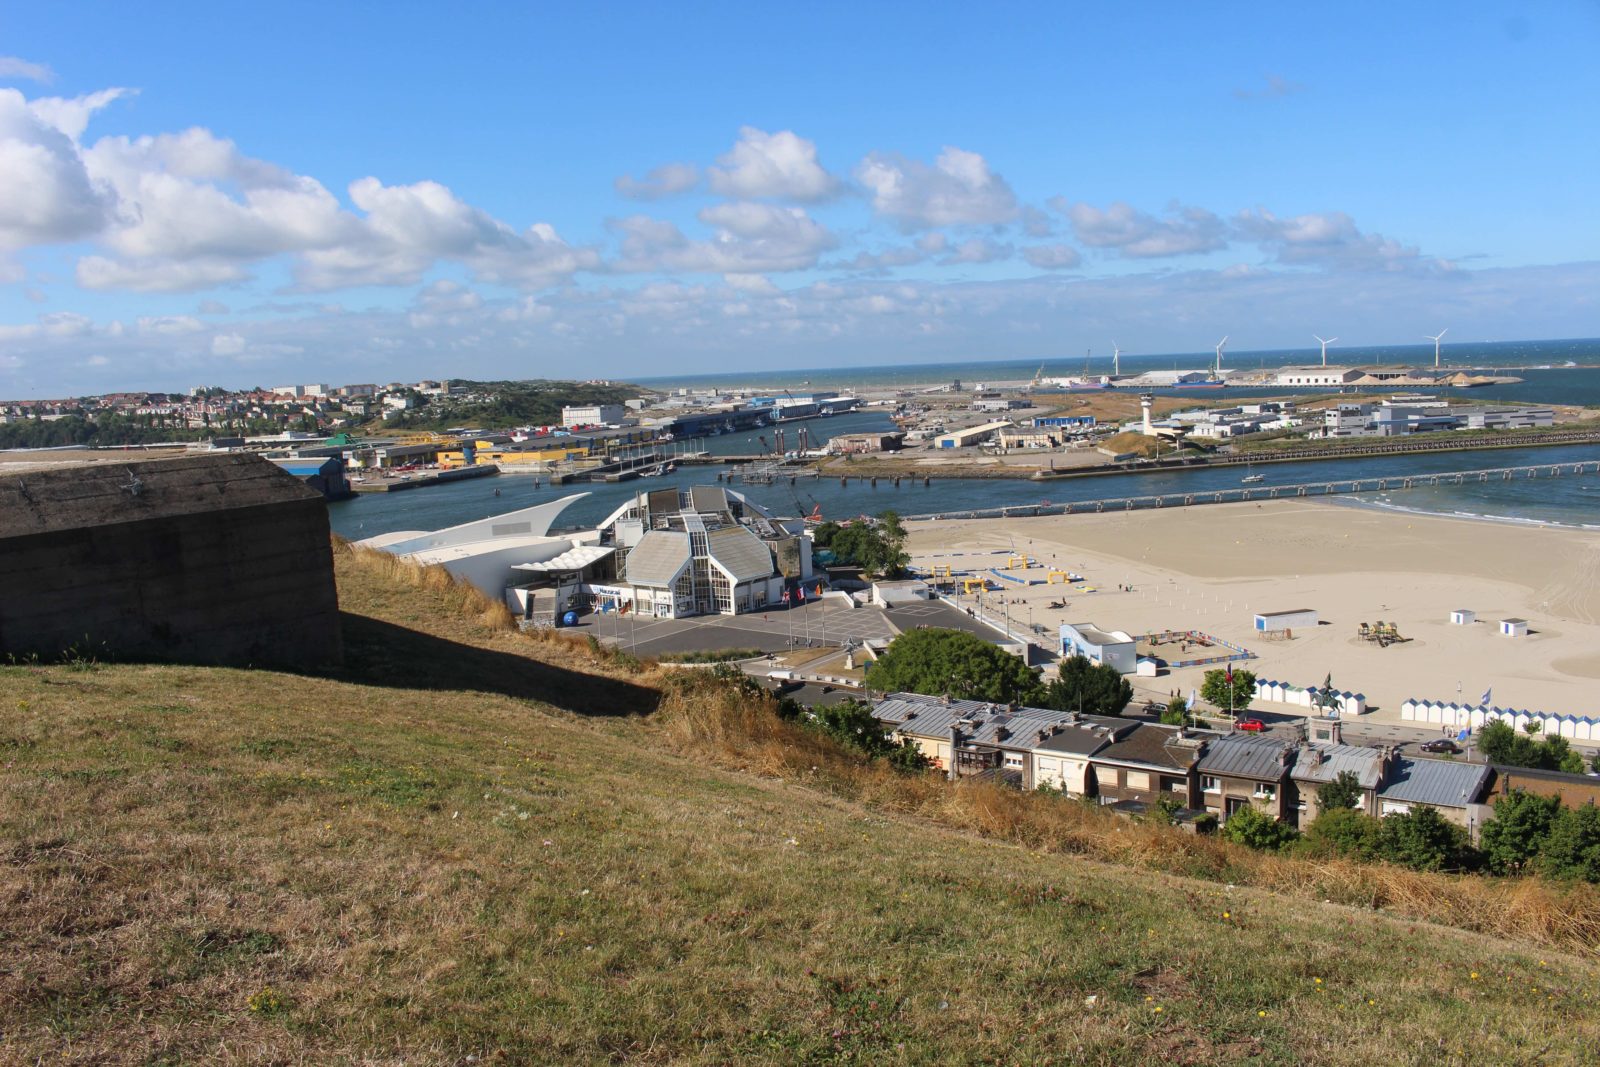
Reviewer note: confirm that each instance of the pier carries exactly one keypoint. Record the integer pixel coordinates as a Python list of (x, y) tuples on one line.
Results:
[(390, 483), (1243, 493)]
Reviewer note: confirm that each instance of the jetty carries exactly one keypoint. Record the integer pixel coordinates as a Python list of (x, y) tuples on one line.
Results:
[(1242, 493), (394, 483)]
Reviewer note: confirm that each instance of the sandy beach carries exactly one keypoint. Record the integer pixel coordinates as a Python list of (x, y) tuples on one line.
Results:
[(1211, 568)]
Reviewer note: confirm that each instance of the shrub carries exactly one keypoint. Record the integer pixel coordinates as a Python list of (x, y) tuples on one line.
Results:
[(1423, 840), (1343, 832), (1573, 848), (1253, 827), (1519, 830)]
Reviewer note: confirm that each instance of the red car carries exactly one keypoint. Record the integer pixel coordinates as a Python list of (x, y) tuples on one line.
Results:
[(1254, 726)]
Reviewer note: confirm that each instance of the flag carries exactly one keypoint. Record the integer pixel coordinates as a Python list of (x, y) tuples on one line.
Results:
[(1488, 695), (1229, 675), (1194, 698), (819, 588), (786, 596), (625, 608), (1464, 734), (800, 593)]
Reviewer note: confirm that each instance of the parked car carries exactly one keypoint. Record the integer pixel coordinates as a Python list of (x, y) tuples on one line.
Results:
[(1442, 744), (1254, 726)]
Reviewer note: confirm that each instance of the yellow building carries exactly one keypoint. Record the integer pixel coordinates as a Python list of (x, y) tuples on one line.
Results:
[(511, 455)]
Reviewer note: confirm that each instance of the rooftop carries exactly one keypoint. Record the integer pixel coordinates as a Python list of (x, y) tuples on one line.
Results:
[(1248, 757), (51, 499), (1442, 783), (1324, 763), (1160, 747)]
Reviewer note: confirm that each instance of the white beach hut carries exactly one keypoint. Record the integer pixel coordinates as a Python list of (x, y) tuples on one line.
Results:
[(1514, 627), (1463, 616)]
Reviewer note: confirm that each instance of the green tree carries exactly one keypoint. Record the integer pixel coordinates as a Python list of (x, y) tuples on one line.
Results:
[(937, 662), (852, 725), (1092, 688), (1573, 848), (1253, 827), (877, 547), (1423, 840), (1517, 833), (1176, 713), (1216, 689), (1343, 832), (1501, 744), (1343, 792)]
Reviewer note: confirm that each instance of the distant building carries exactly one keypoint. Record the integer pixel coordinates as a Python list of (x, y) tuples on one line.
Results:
[(973, 435), (1111, 648), (213, 558), (997, 403), (592, 415), (1318, 377)]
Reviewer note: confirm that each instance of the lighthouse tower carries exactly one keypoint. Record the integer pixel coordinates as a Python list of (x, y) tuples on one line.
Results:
[(1144, 405)]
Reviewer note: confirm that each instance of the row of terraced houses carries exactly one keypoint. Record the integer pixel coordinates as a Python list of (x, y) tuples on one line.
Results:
[(1133, 765)]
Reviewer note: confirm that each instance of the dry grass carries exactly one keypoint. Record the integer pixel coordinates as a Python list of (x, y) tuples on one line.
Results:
[(745, 734), (205, 865)]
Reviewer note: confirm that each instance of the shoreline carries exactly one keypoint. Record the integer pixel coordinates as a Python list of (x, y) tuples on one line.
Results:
[(1212, 568)]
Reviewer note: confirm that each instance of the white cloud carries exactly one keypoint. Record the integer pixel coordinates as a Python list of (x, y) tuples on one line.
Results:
[(755, 284), (1133, 233), (778, 165), (749, 238), (669, 179), (407, 228), (959, 189), (446, 296), (156, 276), (1036, 223), (169, 324), (71, 115), (976, 250), (212, 307), (227, 344), (16, 67), (1327, 238), (46, 193), (1052, 257)]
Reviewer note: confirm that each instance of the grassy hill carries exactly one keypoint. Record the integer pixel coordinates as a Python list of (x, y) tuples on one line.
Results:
[(471, 846)]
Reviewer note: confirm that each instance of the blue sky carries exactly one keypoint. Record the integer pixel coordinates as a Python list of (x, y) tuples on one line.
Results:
[(369, 192)]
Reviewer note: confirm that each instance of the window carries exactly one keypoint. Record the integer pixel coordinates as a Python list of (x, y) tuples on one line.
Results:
[(1013, 761), (1177, 785), (1137, 780), (1211, 785), (1266, 792)]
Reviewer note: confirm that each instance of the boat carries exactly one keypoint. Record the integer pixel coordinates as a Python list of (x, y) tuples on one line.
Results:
[(1252, 479)]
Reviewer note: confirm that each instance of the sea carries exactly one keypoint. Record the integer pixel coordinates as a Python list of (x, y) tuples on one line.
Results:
[(1565, 501)]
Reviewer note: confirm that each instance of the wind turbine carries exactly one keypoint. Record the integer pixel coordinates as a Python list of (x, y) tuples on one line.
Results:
[(1116, 360), (1218, 371), (1325, 345), (1435, 340)]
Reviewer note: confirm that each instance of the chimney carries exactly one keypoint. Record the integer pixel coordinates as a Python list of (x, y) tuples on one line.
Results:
[(955, 743)]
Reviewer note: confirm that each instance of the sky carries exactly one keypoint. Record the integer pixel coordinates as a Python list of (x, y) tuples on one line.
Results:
[(210, 194)]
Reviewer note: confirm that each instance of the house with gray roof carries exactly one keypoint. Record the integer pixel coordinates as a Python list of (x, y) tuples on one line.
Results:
[(1061, 761), (1454, 789), (968, 738), (1240, 771), (1318, 765), (1148, 763)]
